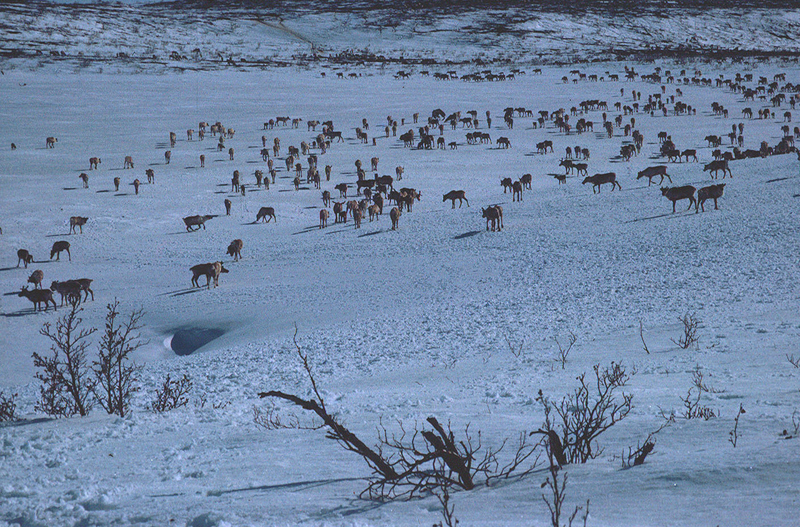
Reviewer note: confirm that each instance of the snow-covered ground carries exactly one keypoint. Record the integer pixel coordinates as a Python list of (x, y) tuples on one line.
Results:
[(399, 325)]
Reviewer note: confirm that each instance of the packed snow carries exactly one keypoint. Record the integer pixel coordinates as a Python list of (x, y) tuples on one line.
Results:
[(440, 317)]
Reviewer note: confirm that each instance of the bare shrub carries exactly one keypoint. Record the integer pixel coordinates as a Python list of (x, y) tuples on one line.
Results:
[(428, 460), (8, 407), (693, 409), (690, 325), (734, 434), (558, 491), (270, 418), (793, 361), (172, 394), (579, 418), (67, 380), (563, 352), (448, 509), (202, 400), (116, 376), (636, 457), (409, 463)]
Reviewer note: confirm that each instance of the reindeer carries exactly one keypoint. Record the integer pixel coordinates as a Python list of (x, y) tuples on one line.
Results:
[(507, 184), (715, 166), (167, 156), (340, 211), (230, 153), (85, 178), (690, 153), (196, 221), (365, 184), (136, 184), (116, 184), (516, 194), (374, 212), (567, 164), (128, 162), (70, 291), (454, 195), (93, 162), (385, 180), (173, 138), (228, 204), (543, 146), (503, 142), (395, 214), (235, 249), (357, 215), (600, 179), (210, 270), (235, 181), (38, 296), (378, 200), (264, 213), (676, 194), (36, 278), (526, 180), (85, 287), (202, 161), (50, 142), (407, 197), (493, 214), (374, 162), (77, 221), (710, 192), (323, 218), (151, 176), (651, 172), (342, 188), (398, 172), (58, 247)]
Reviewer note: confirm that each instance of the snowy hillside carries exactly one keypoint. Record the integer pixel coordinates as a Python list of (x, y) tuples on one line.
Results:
[(440, 317), (150, 36)]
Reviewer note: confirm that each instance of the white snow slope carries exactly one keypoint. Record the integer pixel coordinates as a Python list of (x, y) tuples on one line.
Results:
[(400, 325)]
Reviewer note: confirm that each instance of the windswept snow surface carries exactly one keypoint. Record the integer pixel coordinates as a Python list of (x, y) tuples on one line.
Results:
[(399, 325)]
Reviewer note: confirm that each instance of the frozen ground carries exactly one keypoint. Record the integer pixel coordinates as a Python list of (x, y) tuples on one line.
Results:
[(399, 324)]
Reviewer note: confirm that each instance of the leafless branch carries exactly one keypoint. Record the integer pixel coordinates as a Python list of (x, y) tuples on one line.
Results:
[(563, 352), (515, 350), (793, 361), (690, 325), (734, 434), (641, 335)]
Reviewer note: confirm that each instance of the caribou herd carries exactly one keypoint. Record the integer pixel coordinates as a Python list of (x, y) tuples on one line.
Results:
[(559, 125)]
